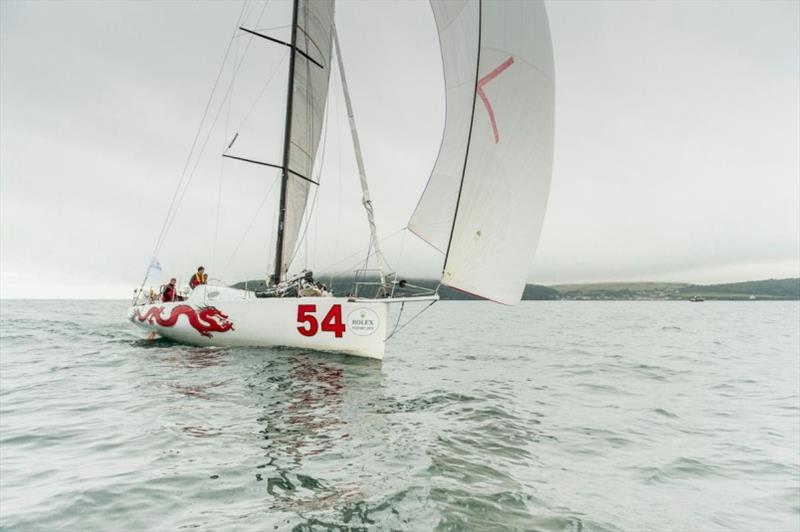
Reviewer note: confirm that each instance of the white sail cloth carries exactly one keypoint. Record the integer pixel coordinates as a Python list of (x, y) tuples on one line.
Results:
[(314, 33), (485, 201)]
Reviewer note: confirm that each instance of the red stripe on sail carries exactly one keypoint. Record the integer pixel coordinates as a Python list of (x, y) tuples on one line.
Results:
[(483, 81)]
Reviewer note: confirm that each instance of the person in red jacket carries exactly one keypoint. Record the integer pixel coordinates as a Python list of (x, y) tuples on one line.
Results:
[(169, 293), (198, 278)]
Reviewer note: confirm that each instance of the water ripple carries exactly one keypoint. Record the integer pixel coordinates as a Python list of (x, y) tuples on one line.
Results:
[(548, 416)]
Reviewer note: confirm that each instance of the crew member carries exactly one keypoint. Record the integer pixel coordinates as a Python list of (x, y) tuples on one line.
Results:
[(198, 278), (169, 295)]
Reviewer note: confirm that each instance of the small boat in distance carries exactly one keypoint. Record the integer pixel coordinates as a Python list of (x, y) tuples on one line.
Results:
[(482, 208), (696, 299)]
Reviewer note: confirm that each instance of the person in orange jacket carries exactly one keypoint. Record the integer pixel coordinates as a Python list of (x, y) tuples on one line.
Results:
[(198, 278)]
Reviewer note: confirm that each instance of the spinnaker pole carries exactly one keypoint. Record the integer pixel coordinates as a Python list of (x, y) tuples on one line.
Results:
[(287, 143), (365, 197)]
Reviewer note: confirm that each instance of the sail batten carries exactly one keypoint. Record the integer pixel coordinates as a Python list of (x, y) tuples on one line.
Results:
[(485, 200)]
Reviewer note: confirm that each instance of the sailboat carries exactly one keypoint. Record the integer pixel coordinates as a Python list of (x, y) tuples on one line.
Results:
[(482, 208)]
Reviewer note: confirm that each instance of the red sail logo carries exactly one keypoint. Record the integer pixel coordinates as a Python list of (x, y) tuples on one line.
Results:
[(204, 320)]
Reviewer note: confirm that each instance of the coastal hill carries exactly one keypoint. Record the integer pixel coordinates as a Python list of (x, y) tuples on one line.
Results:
[(768, 289), (772, 289)]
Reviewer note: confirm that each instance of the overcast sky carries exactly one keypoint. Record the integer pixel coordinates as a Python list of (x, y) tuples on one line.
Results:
[(677, 150)]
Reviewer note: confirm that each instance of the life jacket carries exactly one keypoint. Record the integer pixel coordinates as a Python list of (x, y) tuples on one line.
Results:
[(196, 280), (168, 295)]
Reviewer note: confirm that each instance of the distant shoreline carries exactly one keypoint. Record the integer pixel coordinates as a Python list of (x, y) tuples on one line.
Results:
[(763, 290)]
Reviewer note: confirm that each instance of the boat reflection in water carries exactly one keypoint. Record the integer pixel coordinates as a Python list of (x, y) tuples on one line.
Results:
[(200, 357), (291, 433), (316, 414)]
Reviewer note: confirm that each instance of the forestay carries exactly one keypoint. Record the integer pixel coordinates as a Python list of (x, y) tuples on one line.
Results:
[(310, 90), (485, 201)]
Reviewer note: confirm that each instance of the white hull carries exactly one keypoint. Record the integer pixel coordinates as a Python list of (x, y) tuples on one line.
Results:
[(221, 316)]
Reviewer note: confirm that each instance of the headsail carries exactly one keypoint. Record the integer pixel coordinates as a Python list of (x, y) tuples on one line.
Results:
[(309, 86), (484, 203)]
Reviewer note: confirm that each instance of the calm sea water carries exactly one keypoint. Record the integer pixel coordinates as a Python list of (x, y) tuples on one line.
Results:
[(549, 416)]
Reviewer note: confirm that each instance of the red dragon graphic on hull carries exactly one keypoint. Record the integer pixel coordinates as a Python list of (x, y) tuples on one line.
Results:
[(204, 320)]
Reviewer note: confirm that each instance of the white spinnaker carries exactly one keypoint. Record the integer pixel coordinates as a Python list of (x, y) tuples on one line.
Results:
[(457, 24), (314, 32), (506, 156)]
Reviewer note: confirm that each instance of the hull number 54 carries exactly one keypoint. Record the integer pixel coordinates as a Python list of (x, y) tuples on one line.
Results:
[(309, 326)]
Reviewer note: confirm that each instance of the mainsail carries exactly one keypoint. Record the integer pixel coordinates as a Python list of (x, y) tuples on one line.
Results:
[(308, 85), (484, 204)]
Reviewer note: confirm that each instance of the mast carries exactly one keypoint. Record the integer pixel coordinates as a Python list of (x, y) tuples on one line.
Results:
[(287, 141), (365, 197)]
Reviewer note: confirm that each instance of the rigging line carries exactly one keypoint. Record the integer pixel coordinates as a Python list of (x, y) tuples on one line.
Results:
[(402, 248), (415, 316), (221, 173), (205, 142), (302, 240), (274, 28), (250, 10), (208, 136), (366, 262), (360, 251), (273, 242), (314, 211), (366, 200), (197, 134), (255, 6), (354, 267), (305, 244), (263, 91), (399, 315), (315, 258), (250, 226), (210, 130), (337, 136)]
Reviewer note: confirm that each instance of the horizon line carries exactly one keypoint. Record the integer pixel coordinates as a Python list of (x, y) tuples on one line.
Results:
[(433, 280)]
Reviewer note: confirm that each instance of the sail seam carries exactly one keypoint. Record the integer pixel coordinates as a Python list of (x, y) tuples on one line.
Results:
[(431, 244), (469, 139), (522, 59)]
